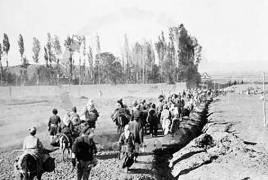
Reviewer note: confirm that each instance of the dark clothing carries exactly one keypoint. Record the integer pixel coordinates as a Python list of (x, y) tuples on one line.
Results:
[(136, 128), (129, 142), (68, 131), (92, 117), (152, 119), (53, 123), (121, 103), (83, 169), (55, 119), (53, 130), (159, 109), (180, 104), (136, 115), (84, 148), (127, 149)]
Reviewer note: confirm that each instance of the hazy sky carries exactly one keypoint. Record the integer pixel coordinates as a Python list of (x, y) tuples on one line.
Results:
[(228, 30)]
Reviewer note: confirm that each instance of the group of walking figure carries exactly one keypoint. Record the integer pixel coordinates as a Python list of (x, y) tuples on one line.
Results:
[(75, 132), (165, 116)]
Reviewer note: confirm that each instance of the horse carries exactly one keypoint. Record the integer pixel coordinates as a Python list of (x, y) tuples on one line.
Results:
[(30, 166), (65, 144)]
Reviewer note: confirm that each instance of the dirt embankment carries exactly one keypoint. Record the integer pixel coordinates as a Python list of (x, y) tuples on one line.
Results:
[(219, 153)]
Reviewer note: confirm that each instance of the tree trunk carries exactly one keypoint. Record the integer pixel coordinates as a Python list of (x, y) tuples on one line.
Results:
[(1, 76), (70, 69), (80, 71)]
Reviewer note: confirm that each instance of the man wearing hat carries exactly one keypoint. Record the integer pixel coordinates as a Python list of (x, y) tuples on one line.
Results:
[(31, 141), (83, 150), (33, 145)]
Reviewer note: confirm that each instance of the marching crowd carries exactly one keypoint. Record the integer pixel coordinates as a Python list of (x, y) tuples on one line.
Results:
[(166, 114)]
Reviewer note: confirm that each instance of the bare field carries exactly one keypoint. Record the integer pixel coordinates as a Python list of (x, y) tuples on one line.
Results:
[(22, 107)]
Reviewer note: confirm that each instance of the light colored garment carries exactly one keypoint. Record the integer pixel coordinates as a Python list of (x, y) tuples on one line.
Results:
[(166, 126), (66, 120), (32, 142), (165, 114)]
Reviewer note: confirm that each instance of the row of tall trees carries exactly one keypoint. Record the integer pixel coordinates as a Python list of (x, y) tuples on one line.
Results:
[(178, 58)]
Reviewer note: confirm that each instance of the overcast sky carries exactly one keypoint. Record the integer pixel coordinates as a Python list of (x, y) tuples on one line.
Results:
[(228, 30)]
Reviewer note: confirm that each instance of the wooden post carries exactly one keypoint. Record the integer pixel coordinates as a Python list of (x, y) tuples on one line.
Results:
[(264, 101)]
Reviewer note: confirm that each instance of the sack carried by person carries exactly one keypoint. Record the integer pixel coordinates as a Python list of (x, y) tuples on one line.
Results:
[(91, 116), (128, 160)]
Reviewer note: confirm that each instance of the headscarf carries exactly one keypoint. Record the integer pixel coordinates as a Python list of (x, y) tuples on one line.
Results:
[(117, 106), (32, 129), (126, 131), (90, 104), (66, 119)]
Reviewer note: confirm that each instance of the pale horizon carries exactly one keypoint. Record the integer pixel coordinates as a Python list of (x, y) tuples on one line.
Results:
[(230, 32)]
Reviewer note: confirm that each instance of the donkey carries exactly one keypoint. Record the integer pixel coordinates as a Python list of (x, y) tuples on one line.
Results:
[(65, 145), (31, 166)]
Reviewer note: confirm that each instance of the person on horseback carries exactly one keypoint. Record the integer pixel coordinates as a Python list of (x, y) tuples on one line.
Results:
[(33, 145), (53, 124), (126, 148), (67, 128), (84, 149)]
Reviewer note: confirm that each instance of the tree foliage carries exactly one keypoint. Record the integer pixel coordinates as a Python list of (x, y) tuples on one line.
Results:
[(111, 68), (36, 50), (56, 48), (21, 45), (177, 57), (6, 44)]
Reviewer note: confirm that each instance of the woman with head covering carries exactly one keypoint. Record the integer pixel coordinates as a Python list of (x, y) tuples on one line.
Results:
[(67, 127), (165, 119), (126, 148), (90, 114)]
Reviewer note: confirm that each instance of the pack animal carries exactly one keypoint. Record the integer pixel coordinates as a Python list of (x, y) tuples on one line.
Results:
[(65, 145), (30, 167)]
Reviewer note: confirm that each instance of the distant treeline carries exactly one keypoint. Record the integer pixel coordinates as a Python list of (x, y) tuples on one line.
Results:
[(178, 59)]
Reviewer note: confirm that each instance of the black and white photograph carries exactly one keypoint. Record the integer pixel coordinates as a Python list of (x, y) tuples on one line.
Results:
[(133, 89)]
